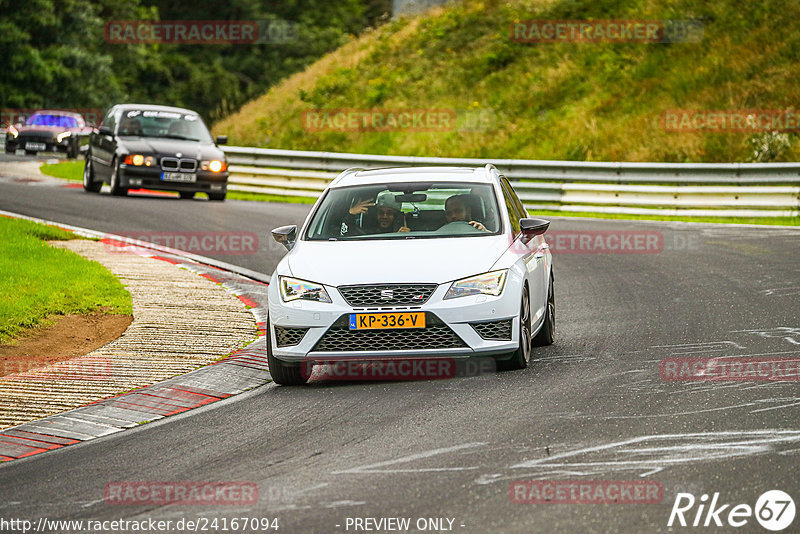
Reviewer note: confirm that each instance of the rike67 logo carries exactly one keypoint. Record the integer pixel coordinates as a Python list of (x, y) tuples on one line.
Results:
[(774, 510)]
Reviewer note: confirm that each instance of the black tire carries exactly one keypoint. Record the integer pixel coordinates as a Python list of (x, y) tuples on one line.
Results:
[(72, 151), (283, 374), (216, 196), (521, 357), (10, 151), (116, 189), (547, 333), (89, 184), (187, 195)]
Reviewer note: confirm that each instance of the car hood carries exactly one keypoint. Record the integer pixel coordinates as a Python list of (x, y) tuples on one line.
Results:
[(156, 145), (404, 260), (42, 130)]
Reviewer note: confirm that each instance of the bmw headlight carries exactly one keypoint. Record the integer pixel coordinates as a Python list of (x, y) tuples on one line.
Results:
[(294, 289), (13, 131), (214, 165), (63, 135), (490, 283)]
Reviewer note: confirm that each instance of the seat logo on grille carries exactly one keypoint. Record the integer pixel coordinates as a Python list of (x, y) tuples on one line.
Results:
[(387, 294)]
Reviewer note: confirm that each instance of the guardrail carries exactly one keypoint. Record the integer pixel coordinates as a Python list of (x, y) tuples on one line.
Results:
[(689, 189)]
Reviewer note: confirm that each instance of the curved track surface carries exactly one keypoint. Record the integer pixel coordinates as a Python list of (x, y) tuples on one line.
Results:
[(594, 406)]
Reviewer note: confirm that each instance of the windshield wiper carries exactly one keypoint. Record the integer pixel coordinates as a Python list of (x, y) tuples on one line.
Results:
[(176, 136)]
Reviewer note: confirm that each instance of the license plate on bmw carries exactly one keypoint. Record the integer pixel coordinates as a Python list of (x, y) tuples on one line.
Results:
[(189, 177), (380, 321), (35, 146)]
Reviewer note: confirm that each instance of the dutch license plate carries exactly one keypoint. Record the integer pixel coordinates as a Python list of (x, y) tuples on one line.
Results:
[(35, 146), (179, 177), (379, 321)]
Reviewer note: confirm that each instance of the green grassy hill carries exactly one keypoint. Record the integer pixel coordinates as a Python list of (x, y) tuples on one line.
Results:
[(571, 101)]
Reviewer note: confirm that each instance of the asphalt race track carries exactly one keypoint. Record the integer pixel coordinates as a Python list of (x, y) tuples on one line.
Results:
[(594, 406)]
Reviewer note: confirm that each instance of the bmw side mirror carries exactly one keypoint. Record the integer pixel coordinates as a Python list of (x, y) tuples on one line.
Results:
[(531, 227), (222, 139), (285, 235)]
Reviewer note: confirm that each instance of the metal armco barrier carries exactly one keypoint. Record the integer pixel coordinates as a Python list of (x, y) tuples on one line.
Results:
[(689, 189)]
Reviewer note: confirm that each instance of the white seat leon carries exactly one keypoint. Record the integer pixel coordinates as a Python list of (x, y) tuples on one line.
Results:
[(411, 264)]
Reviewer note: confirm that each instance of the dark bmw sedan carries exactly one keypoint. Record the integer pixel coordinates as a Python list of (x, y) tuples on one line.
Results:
[(155, 147)]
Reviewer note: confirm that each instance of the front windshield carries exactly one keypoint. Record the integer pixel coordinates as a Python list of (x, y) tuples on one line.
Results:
[(48, 119), (402, 211), (169, 124)]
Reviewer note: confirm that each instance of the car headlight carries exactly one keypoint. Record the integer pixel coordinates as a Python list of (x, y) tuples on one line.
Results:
[(214, 165), (294, 289), (138, 160), (63, 135), (13, 131), (490, 283)]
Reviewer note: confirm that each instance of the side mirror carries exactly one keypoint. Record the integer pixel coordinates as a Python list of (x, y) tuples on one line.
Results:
[(222, 139), (285, 235), (531, 227)]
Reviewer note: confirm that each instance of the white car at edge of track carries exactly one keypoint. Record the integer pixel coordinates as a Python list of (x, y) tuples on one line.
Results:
[(407, 264)]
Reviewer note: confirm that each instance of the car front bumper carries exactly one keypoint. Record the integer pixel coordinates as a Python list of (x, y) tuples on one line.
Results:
[(450, 324), (132, 177), (36, 144)]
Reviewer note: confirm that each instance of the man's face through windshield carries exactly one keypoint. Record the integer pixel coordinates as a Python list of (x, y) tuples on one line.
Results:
[(456, 209), (386, 216)]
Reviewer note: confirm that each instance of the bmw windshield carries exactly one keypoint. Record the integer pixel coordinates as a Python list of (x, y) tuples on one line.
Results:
[(403, 211), (168, 124)]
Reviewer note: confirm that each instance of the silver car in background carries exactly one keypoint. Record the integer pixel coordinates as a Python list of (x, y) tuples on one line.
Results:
[(409, 264)]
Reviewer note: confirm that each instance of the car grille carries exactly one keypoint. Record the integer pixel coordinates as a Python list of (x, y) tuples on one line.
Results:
[(387, 294), (287, 337), (495, 329), (175, 164), (435, 335), (39, 137)]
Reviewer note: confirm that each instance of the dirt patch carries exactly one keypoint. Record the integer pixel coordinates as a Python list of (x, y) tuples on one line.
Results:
[(70, 336)]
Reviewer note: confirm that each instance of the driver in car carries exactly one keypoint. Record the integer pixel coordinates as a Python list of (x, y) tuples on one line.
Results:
[(388, 213), (458, 208)]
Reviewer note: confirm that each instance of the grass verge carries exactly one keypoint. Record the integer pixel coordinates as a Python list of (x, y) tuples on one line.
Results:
[(38, 281), (241, 195), (67, 170)]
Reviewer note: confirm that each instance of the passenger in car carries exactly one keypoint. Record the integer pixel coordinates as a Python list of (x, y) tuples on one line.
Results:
[(459, 208)]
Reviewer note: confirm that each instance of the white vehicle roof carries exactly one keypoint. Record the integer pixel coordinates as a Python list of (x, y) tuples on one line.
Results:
[(352, 177)]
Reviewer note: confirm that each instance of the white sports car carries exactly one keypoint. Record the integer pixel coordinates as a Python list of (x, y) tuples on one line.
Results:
[(410, 264)]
